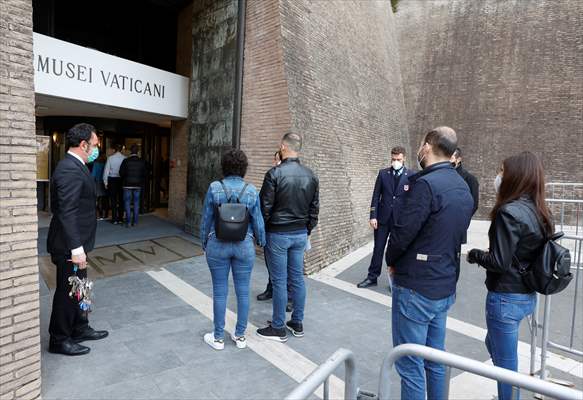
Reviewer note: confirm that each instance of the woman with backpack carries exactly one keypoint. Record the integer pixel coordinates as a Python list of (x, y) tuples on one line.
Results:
[(231, 224), (521, 221)]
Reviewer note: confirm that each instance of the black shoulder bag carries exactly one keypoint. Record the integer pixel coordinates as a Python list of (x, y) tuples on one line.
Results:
[(231, 219)]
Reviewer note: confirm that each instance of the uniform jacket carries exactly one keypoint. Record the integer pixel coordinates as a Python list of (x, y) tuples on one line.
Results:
[(73, 206), (290, 199), (425, 242), (386, 202)]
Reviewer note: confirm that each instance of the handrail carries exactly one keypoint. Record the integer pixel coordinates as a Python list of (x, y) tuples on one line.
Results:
[(321, 374), (489, 371)]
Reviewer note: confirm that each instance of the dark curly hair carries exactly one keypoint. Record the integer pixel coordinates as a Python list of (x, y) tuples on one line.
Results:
[(234, 162)]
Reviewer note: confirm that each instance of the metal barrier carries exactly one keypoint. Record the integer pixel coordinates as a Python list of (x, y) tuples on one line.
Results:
[(546, 343), (564, 190), (568, 215), (513, 378), (322, 375)]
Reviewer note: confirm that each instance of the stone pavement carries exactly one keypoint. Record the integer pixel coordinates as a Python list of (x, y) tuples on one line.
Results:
[(157, 316)]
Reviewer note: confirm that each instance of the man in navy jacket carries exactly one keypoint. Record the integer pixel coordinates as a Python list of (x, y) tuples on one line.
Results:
[(423, 255), (390, 187)]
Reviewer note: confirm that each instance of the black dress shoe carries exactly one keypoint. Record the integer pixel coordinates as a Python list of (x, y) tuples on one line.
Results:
[(68, 348), (89, 334), (367, 283), (265, 295)]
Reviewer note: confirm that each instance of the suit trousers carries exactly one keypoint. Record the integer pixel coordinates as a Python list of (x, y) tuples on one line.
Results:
[(67, 318), (381, 235), (115, 191)]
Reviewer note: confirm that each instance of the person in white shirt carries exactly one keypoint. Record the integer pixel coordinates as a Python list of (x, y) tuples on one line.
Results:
[(112, 182)]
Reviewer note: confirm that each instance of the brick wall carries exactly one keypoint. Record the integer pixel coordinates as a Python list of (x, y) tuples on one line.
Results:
[(266, 116), (506, 74), (341, 64), (212, 91), (180, 129), (19, 287)]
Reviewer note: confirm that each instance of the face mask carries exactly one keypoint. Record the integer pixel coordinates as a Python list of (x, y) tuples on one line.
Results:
[(397, 165), (93, 156), (497, 183)]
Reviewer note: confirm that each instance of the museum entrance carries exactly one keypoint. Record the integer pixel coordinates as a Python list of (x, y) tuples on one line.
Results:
[(152, 141)]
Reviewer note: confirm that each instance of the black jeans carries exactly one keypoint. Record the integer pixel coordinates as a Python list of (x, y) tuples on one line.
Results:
[(67, 318), (114, 189), (381, 234)]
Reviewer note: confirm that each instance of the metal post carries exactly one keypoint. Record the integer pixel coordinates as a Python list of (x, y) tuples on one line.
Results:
[(327, 389), (533, 335), (577, 269), (545, 338)]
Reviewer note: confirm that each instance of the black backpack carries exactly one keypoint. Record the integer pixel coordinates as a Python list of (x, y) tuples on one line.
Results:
[(550, 271), (231, 219)]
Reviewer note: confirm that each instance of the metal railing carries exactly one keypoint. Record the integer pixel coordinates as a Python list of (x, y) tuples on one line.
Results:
[(546, 343), (322, 376), (502, 375)]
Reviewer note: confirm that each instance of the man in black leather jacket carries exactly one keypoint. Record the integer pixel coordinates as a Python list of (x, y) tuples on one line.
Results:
[(290, 205)]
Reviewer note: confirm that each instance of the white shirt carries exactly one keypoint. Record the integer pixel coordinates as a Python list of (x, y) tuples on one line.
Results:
[(112, 165), (79, 250)]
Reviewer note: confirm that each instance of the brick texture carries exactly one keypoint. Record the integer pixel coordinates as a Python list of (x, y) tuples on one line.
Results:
[(19, 295), (341, 64), (507, 75)]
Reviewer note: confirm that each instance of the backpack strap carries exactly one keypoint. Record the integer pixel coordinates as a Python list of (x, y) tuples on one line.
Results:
[(242, 192), (227, 193)]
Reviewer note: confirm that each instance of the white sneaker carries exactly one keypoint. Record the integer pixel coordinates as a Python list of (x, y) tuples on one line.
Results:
[(209, 338), (240, 341)]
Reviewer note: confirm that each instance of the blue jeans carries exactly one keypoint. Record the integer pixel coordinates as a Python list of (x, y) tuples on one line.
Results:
[(504, 311), (285, 259), (222, 257), (420, 320), (127, 201)]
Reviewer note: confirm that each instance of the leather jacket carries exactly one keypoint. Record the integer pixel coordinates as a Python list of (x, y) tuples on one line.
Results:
[(290, 197), (516, 231)]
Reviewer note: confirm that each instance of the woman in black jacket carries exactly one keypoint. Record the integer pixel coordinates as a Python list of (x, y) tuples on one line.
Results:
[(520, 220)]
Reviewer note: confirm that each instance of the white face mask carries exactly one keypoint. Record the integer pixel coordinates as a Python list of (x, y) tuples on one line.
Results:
[(497, 183), (397, 165)]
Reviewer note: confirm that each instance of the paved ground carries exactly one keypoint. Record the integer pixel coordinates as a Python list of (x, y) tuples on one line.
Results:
[(157, 315)]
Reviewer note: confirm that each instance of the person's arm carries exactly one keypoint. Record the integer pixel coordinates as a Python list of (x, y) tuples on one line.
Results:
[(314, 208), (500, 256), (258, 224), (267, 196), (475, 191), (68, 185), (376, 196), (207, 217), (106, 171), (413, 217)]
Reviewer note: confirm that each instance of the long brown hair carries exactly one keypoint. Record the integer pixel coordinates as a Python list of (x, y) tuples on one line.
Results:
[(524, 175)]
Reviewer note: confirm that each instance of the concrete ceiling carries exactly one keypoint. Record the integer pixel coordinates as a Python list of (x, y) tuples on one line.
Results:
[(56, 106)]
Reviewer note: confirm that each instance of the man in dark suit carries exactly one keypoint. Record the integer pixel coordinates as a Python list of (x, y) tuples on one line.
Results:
[(71, 236), (471, 180), (391, 184)]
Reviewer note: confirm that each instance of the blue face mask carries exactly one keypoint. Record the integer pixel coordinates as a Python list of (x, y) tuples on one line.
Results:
[(93, 156)]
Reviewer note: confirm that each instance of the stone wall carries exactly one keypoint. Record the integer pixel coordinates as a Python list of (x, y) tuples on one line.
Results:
[(212, 91), (341, 64), (506, 74), (20, 375)]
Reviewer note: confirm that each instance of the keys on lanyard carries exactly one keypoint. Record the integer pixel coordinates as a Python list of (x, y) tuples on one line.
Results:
[(81, 290)]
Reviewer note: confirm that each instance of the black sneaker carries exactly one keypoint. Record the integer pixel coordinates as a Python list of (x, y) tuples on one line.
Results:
[(269, 332), (296, 328)]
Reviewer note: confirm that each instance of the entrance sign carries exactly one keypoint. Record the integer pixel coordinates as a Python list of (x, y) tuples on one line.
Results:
[(66, 70)]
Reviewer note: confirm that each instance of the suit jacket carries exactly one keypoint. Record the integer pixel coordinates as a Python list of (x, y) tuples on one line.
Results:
[(387, 202), (472, 184), (73, 205)]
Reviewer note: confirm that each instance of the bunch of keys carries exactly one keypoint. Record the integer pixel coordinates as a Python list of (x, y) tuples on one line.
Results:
[(81, 291)]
